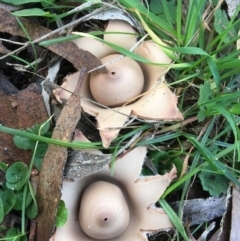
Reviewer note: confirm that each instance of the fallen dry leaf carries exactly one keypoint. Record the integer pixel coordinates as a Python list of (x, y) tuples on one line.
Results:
[(10, 7), (222, 234), (3, 50), (68, 50), (232, 6), (51, 175), (201, 210), (21, 110), (83, 163)]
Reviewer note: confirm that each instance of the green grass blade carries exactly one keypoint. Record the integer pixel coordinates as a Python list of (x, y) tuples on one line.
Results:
[(127, 52), (167, 13), (219, 110), (226, 172), (189, 50), (214, 70), (179, 23), (194, 19), (77, 145), (148, 16), (28, 37), (168, 136), (174, 218), (211, 159), (184, 179)]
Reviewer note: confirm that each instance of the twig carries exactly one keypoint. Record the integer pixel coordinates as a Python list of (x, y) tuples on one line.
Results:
[(10, 41), (51, 175), (120, 151), (21, 67), (32, 230)]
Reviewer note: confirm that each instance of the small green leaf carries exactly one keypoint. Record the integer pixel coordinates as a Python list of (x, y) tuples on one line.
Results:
[(1, 211), (41, 128), (16, 172), (214, 183), (214, 2), (214, 70), (235, 109), (20, 2), (16, 175), (19, 199), (23, 238), (8, 200), (205, 93), (221, 23), (162, 162), (38, 162), (62, 214), (190, 50), (12, 235), (32, 210), (41, 148), (225, 171), (3, 166), (32, 12), (201, 114), (157, 7), (21, 142)]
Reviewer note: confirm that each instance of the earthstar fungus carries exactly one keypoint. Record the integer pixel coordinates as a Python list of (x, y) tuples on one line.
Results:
[(152, 99), (115, 207)]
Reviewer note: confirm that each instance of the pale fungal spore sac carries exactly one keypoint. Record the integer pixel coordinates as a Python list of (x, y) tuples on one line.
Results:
[(123, 82), (104, 212)]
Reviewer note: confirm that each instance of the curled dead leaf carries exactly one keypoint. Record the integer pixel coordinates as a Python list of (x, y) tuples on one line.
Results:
[(68, 50)]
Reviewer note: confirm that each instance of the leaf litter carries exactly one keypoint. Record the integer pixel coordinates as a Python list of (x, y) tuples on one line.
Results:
[(20, 110), (67, 50), (61, 51)]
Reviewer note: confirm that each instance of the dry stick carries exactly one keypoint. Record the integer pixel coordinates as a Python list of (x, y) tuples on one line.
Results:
[(32, 231), (50, 183)]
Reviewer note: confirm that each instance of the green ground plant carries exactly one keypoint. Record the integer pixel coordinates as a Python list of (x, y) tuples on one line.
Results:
[(205, 73)]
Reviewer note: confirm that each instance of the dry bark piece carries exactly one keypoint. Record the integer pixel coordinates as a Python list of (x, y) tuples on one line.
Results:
[(68, 50), (18, 110), (50, 180)]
